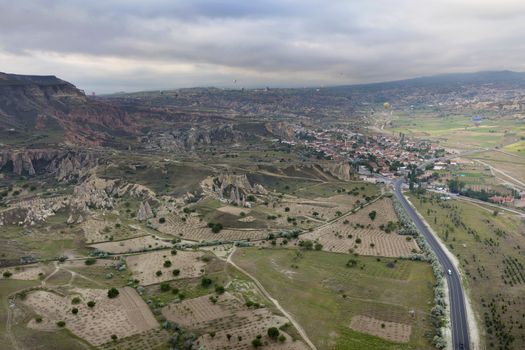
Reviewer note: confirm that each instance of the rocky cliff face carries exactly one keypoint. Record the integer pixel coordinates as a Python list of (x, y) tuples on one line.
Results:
[(62, 164), (29, 103), (340, 170)]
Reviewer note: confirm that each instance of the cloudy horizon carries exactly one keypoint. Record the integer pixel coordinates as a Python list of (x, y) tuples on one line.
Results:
[(120, 45)]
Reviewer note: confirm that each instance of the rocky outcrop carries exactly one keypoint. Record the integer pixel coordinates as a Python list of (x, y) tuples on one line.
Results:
[(340, 170), (144, 213), (93, 193), (62, 164), (232, 188), (282, 130), (189, 139)]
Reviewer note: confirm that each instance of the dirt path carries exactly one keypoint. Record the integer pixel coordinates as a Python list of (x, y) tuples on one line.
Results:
[(274, 301)]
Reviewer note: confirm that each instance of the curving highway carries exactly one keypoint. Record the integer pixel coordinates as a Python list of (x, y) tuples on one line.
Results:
[(458, 314)]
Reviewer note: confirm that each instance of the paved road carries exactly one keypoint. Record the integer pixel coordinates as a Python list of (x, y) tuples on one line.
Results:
[(458, 314)]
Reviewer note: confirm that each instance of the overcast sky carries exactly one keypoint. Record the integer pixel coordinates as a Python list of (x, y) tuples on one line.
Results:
[(116, 45)]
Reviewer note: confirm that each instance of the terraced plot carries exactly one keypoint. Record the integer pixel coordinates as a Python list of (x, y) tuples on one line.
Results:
[(123, 316), (228, 316), (360, 234), (145, 267)]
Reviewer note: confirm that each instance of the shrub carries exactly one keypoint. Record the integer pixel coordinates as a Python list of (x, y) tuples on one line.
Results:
[(167, 263), (165, 287), (61, 324), (38, 319), (372, 215), (74, 311), (90, 261), (215, 227), (158, 273), (162, 220), (7, 274), (176, 272), (273, 332), (281, 338), (219, 289), (75, 300), (256, 343), (91, 304), (206, 282), (114, 337), (113, 293)]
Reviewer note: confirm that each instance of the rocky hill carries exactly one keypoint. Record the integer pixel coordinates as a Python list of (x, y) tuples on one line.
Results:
[(30, 103)]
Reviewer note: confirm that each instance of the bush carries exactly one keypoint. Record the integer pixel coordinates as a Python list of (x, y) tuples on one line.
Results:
[(38, 319), (174, 252), (113, 293), (176, 272), (256, 343), (74, 311), (165, 287), (114, 337), (7, 274), (162, 220), (281, 338), (219, 289), (61, 324), (273, 332), (167, 263), (75, 300), (91, 304), (215, 227), (206, 282), (158, 273), (90, 261)]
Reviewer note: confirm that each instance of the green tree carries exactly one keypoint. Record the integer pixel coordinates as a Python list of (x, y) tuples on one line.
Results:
[(113, 293), (273, 332)]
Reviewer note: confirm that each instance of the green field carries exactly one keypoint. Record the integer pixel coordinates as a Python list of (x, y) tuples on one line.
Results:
[(489, 249), (323, 294), (458, 131)]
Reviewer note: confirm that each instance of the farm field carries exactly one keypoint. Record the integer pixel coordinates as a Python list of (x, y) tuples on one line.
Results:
[(131, 245), (228, 316), (327, 285), (510, 164), (97, 230), (490, 251), (145, 267), (195, 230), (459, 132), (122, 316), (358, 233)]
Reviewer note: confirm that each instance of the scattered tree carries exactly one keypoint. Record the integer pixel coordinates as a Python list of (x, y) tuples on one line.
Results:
[(113, 293)]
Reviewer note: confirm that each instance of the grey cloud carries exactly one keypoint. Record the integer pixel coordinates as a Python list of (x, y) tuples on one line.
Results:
[(273, 42)]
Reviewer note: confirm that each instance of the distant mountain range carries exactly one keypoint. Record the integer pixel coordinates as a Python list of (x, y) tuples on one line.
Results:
[(45, 109)]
